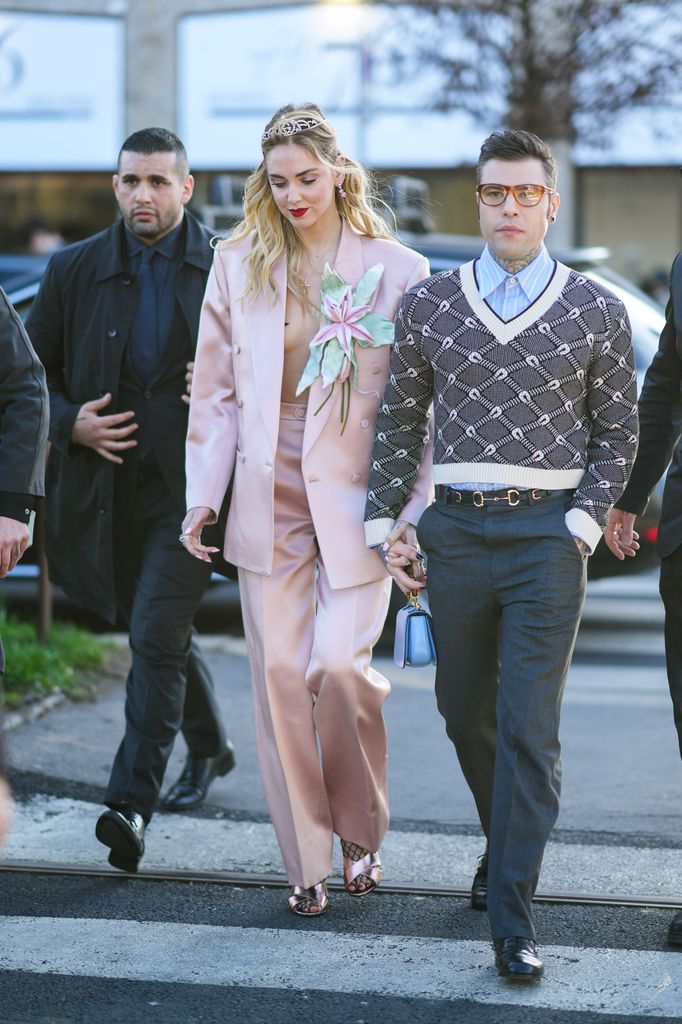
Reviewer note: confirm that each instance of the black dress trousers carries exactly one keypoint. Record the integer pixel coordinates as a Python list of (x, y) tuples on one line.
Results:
[(671, 592), (169, 687)]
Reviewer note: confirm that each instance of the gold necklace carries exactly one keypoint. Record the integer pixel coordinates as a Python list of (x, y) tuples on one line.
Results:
[(328, 257)]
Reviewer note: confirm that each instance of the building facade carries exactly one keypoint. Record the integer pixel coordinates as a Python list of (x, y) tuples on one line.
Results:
[(76, 76)]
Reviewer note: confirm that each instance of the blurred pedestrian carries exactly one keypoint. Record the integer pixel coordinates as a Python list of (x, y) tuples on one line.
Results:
[(312, 268), (24, 414), (41, 238), (529, 368), (659, 441), (115, 324), (656, 285)]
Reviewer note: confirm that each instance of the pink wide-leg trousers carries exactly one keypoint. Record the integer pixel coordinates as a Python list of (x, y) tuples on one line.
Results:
[(319, 725)]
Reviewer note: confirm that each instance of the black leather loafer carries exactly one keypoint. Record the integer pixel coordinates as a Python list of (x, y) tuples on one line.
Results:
[(123, 832), (675, 930), (191, 788), (479, 888), (517, 959)]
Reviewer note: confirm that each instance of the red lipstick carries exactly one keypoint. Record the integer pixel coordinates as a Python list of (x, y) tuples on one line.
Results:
[(300, 212)]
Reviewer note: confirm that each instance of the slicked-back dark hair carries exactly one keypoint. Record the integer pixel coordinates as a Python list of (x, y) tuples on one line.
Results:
[(157, 140), (515, 144)]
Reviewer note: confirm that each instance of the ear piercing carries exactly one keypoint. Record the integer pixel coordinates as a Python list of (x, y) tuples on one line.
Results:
[(341, 191)]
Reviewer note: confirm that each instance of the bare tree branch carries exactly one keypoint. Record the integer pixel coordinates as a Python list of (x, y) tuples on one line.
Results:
[(561, 68)]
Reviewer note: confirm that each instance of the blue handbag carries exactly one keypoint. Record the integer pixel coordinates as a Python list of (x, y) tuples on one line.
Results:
[(413, 643)]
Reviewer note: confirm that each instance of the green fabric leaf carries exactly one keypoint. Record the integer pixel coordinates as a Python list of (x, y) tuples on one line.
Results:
[(311, 368), (367, 285), (354, 361), (332, 284), (332, 362), (381, 329)]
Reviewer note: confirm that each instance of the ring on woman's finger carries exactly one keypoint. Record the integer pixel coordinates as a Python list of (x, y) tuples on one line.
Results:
[(183, 537)]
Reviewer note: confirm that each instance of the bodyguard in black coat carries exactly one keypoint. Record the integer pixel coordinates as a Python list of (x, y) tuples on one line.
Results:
[(80, 324), (115, 324), (660, 440), (24, 413)]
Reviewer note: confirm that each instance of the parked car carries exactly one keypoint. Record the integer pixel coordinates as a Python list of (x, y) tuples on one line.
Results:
[(646, 318), (20, 276)]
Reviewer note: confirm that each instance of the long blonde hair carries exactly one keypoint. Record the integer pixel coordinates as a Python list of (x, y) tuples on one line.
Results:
[(273, 236)]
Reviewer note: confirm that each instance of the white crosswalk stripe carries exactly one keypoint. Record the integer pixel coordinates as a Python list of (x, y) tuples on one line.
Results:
[(61, 831), (599, 981)]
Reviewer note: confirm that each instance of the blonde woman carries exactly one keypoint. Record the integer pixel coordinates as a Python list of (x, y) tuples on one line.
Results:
[(293, 355)]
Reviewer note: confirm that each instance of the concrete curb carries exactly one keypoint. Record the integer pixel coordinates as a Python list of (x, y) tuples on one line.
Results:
[(35, 709), (30, 712)]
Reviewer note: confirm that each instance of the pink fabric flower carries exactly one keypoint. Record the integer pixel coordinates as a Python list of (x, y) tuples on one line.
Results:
[(343, 323)]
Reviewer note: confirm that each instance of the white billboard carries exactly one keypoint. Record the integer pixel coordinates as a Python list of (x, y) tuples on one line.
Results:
[(62, 91), (235, 68)]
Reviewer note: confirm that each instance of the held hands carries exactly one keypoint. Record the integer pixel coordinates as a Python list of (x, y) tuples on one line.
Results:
[(192, 525), (188, 379), (619, 534), (13, 543), (400, 554), (105, 434)]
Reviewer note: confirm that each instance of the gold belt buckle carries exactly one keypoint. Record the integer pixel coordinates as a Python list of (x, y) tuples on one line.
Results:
[(481, 500), (509, 497), (535, 495)]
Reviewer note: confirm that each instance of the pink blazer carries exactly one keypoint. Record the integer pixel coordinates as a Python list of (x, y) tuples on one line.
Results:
[(234, 414)]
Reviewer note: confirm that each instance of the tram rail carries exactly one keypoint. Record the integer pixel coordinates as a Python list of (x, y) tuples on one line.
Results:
[(248, 880)]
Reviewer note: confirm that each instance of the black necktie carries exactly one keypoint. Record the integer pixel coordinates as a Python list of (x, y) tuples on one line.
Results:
[(146, 350)]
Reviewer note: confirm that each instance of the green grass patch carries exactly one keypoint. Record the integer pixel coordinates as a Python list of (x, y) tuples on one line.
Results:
[(33, 670)]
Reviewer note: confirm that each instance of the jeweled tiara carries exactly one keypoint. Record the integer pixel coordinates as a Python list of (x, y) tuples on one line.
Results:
[(289, 127)]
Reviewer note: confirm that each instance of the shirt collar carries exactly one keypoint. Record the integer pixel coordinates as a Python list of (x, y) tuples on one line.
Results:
[(168, 246), (490, 275)]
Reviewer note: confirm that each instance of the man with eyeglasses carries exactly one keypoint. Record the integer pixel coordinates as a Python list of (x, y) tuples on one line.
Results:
[(661, 441), (529, 368)]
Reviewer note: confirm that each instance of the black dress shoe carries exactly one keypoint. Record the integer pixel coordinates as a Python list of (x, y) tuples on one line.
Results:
[(479, 888), (675, 930), (123, 832), (199, 772), (517, 959)]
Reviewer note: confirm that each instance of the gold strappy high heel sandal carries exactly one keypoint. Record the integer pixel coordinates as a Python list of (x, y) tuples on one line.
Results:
[(304, 901), (361, 867)]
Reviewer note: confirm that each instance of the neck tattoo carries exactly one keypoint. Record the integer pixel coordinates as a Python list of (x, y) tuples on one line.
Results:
[(515, 266)]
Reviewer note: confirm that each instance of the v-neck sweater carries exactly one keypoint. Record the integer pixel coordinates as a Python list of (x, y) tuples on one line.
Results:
[(547, 399)]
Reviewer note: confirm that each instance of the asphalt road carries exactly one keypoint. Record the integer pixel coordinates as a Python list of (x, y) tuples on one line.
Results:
[(112, 949)]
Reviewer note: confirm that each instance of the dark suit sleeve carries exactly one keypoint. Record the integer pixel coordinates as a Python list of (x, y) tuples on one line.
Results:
[(24, 414), (45, 325), (659, 406)]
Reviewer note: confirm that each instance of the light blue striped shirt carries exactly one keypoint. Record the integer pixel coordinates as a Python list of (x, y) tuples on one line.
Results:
[(508, 295)]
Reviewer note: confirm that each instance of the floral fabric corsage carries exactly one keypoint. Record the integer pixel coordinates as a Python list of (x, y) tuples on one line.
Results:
[(346, 322)]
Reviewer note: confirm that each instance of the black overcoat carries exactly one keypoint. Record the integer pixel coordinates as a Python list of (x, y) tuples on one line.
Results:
[(79, 324), (24, 413), (660, 422)]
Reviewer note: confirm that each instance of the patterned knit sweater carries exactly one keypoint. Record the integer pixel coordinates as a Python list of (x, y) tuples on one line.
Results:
[(545, 400)]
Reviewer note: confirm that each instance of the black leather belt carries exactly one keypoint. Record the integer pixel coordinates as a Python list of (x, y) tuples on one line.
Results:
[(479, 499)]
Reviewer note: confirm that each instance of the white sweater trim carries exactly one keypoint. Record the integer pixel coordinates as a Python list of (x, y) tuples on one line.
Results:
[(502, 331), (514, 476), (581, 524), (377, 530)]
